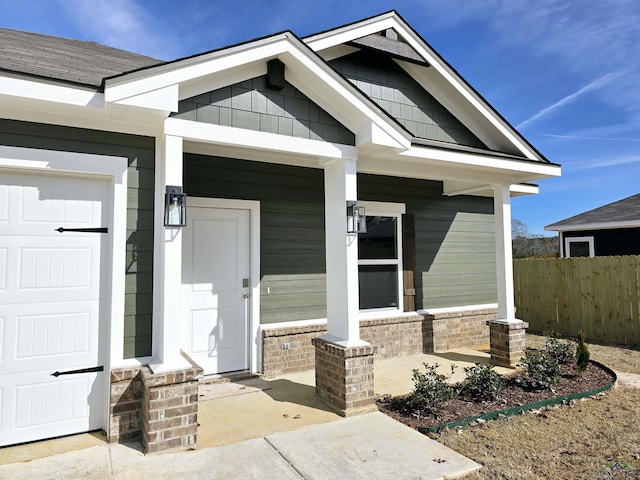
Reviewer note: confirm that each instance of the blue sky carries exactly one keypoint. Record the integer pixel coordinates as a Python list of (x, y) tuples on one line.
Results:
[(565, 73)]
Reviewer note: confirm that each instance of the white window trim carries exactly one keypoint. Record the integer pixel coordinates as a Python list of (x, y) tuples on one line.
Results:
[(569, 240), (387, 209)]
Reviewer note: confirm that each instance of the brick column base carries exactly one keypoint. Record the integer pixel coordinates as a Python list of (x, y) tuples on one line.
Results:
[(344, 377), (507, 341), (170, 410)]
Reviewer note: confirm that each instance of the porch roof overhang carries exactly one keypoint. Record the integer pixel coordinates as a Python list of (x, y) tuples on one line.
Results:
[(162, 87)]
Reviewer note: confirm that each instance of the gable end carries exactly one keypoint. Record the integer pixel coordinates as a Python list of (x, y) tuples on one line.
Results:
[(396, 92), (252, 105)]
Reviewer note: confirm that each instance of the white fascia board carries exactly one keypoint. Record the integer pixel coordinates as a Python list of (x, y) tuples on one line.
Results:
[(45, 91), (531, 169), (452, 79), (138, 83), (520, 189), (452, 188), (163, 99), (241, 138), (594, 226), (323, 41), (341, 99), (217, 80)]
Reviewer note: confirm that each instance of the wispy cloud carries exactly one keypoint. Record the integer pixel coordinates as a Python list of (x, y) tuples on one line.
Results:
[(595, 85), (579, 137), (121, 24), (612, 161)]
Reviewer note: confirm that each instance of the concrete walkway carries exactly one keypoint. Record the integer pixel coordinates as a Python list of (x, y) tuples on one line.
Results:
[(370, 447)]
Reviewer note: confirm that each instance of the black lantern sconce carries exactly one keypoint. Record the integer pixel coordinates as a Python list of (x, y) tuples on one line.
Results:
[(175, 207), (356, 219)]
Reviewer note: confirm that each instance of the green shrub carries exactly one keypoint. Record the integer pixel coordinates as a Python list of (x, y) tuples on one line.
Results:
[(563, 352), (482, 383), (582, 353), (430, 390), (540, 370)]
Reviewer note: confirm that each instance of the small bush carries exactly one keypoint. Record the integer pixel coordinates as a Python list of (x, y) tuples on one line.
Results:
[(541, 370), (482, 383), (582, 353), (430, 390), (563, 352)]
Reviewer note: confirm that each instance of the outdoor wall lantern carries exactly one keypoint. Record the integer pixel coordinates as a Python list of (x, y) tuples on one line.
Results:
[(356, 219), (175, 207)]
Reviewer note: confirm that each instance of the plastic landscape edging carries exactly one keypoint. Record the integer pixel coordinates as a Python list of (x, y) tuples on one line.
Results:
[(523, 408)]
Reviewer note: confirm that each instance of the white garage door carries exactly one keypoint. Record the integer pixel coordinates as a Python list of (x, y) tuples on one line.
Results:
[(52, 298)]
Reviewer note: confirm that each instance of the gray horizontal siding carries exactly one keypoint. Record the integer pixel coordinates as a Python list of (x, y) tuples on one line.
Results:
[(455, 254), (253, 106), (292, 263), (396, 92), (455, 240), (140, 183)]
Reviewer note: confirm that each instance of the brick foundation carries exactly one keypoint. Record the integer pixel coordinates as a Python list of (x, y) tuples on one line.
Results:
[(170, 410), (344, 377), (507, 341), (125, 406), (394, 337)]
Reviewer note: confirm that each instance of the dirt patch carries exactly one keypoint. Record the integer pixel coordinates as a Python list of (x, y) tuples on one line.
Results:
[(511, 395)]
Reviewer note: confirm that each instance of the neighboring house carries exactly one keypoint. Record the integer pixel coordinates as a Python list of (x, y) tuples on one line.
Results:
[(272, 141), (613, 229)]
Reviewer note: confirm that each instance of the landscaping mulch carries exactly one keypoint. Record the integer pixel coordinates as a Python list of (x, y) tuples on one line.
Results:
[(511, 395)]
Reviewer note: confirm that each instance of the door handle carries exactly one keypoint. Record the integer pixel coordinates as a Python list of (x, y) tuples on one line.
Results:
[(246, 295)]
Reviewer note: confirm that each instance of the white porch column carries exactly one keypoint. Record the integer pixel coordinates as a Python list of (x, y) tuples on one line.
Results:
[(504, 262), (167, 263), (340, 185), (506, 333)]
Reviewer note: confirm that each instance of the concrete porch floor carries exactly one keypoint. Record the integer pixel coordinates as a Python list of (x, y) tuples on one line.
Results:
[(290, 404)]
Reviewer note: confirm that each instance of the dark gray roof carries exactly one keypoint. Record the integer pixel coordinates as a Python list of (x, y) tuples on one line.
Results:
[(625, 210), (73, 61)]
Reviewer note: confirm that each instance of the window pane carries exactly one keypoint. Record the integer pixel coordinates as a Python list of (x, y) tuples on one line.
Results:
[(578, 249), (380, 241), (378, 286)]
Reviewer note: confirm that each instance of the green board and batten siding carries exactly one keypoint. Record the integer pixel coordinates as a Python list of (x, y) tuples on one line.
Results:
[(140, 178), (455, 255)]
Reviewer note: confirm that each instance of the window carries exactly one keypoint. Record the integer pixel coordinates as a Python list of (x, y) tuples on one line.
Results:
[(578, 247), (380, 257)]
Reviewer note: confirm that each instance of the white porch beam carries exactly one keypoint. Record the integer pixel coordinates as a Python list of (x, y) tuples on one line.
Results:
[(167, 263), (343, 327), (504, 262)]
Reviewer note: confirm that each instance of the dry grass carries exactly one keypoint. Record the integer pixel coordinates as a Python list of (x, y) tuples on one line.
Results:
[(564, 442)]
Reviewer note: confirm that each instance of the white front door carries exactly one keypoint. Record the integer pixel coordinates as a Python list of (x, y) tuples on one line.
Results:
[(216, 286), (52, 298)]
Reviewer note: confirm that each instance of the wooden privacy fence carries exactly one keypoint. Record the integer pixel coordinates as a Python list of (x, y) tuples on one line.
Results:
[(600, 295)]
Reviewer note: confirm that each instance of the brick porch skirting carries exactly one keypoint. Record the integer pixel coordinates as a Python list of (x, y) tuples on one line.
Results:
[(393, 337), (159, 410), (344, 377)]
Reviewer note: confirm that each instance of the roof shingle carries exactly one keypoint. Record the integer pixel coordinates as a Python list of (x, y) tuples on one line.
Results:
[(625, 210), (73, 61)]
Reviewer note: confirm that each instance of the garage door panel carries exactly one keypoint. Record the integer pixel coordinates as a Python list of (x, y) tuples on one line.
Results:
[(35, 199), (52, 299), (45, 404), (56, 335)]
